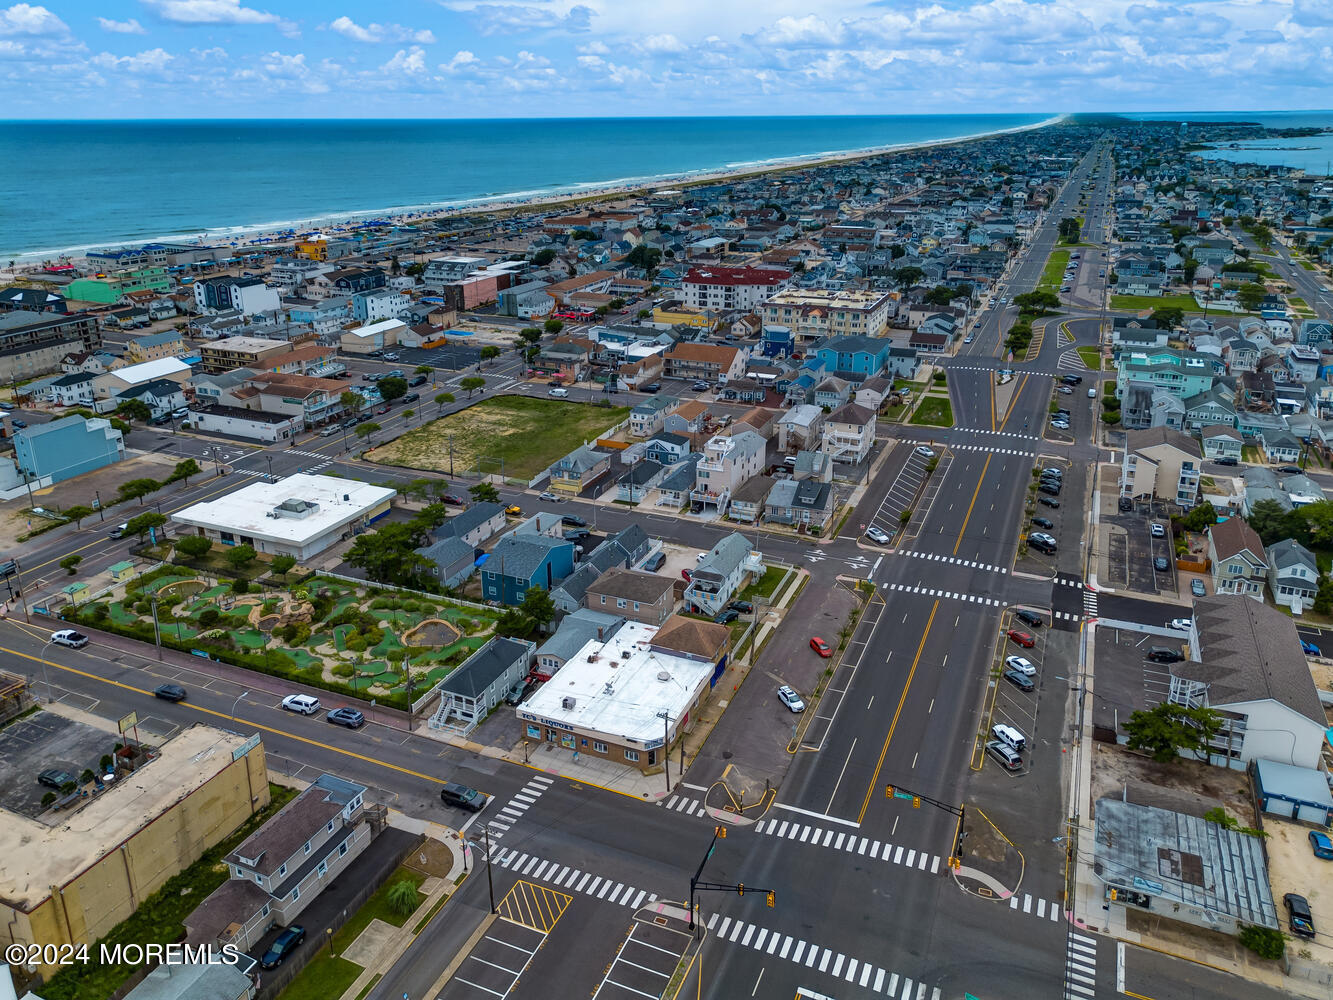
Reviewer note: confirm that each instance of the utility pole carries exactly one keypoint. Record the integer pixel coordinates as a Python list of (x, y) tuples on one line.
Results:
[(665, 716), (157, 632), (451, 456), (490, 883)]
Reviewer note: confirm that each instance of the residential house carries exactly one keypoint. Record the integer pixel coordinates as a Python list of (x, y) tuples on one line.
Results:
[(469, 693), (168, 344), (666, 448), (281, 868), (1280, 446), (728, 461), (578, 628), (722, 573), (522, 561), (1220, 441), (1239, 564), (162, 396), (678, 484), (807, 502), (872, 393), (73, 389), (632, 594), (453, 559), (747, 500), (640, 479), (66, 447), (1207, 409), (1293, 574), (832, 392), (579, 469), (854, 358), (812, 314), (731, 288), (647, 416), (1161, 464), (372, 337), (849, 434), (712, 363), (903, 362), (1134, 333), (800, 428)]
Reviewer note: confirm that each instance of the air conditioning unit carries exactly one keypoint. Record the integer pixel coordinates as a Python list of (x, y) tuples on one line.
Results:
[(567, 703)]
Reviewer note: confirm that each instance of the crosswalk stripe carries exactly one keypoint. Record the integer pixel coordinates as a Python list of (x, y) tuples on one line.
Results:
[(1027, 902), (736, 930), (760, 939), (879, 980), (749, 933), (712, 919), (796, 955), (786, 946), (893, 984), (722, 931), (851, 969), (638, 900), (773, 942)]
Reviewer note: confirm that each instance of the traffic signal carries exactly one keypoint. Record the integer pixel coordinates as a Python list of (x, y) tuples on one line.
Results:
[(888, 791), (771, 899), (916, 801), (740, 889), (1114, 895), (720, 832)]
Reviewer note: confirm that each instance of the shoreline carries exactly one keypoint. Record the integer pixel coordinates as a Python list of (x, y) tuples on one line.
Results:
[(283, 231)]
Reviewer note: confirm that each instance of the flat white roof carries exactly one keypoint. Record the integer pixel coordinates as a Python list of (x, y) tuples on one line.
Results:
[(246, 511), (146, 371), (246, 344), (383, 326), (618, 694)]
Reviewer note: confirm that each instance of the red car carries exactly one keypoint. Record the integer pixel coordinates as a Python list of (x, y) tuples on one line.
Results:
[(821, 647), (1024, 639), (686, 575), (383, 409)]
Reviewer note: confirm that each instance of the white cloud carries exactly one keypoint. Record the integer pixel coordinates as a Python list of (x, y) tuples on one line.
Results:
[(130, 27), (405, 62), (27, 19), (216, 12), (462, 59), (348, 28), (510, 18), (151, 61), (664, 44)]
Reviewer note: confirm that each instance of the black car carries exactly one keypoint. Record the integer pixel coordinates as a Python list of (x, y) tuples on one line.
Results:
[(1048, 502), (653, 387), (282, 946), (1160, 564), (574, 521), (1226, 460), (169, 692), (1299, 917), (726, 617), (453, 794), (577, 534), (1164, 654), (654, 562), (1030, 618), (418, 380), (1125, 504), (1072, 379), (1019, 680), (1049, 488), (349, 423), (1043, 522), (348, 717), (411, 397), (744, 607), (1292, 470)]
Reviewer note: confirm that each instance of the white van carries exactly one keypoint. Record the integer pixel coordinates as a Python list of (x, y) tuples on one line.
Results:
[(1092, 393), (557, 391), (1009, 735)]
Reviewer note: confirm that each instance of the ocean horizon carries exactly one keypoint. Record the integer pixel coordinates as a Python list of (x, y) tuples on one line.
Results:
[(70, 186)]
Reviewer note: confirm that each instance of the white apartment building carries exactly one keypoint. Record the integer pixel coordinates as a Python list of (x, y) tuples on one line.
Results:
[(729, 460), (723, 288), (811, 314)]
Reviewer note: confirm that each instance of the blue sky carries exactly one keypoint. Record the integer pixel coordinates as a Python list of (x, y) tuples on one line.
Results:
[(555, 58)]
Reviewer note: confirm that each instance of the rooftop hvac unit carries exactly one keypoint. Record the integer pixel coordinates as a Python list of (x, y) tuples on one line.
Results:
[(567, 703), (608, 688), (625, 655), (663, 675)]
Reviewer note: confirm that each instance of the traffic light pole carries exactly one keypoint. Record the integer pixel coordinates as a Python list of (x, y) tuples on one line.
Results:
[(697, 885), (899, 792)]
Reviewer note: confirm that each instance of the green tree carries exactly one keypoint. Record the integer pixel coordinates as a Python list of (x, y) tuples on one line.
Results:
[(471, 384), (514, 624), (432, 516), (532, 334), (644, 257), (184, 470), (1169, 318), (897, 250), (392, 388), (1323, 599), (389, 556), (77, 513), (909, 275), (408, 414), (394, 266), (553, 326), (1199, 518), (1189, 268), (137, 489), (424, 370), (135, 409), (148, 521), (120, 425), (538, 605), (402, 897), (364, 431), (543, 257), (415, 270), (443, 399), (351, 401), (489, 351), (194, 546), (484, 493), (1038, 301), (70, 563), (1266, 942), (1168, 728), (240, 556), (645, 313), (1250, 294), (1069, 229), (1267, 518), (283, 564)]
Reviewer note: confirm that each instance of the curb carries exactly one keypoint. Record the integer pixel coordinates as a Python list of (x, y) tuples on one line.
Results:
[(461, 955)]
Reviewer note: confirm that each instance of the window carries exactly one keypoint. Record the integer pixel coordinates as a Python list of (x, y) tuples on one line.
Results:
[(631, 755), (296, 893), (259, 880), (282, 871), (599, 746), (620, 603), (330, 826), (264, 911), (342, 848), (307, 847), (240, 872), (322, 868)]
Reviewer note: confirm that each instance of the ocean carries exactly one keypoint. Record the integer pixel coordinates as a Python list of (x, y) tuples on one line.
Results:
[(67, 186), (1313, 154)]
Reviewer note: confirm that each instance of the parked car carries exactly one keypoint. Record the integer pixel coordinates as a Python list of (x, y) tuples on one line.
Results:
[(1181, 624), (653, 387), (791, 699), (412, 397), (383, 408), (1321, 845), (1042, 522), (514, 510), (452, 500), (925, 452), (118, 531), (1290, 470), (1164, 654), (1022, 664), (1299, 917), (69, 637), (462, 797), (1019, 680), (1042, 542), (1157, 530), (654, 562), (744, 607), (726, 616), (549, 496), (1021, 638), (577, 534), (169, 692), (821, 647), (304, 704), (574, 521), (557, 391), (397, 372), (20, 424), (1160, 564), (282, 946), (686, 575), (1031, 618), (1066, 390), (1049, 488), (1048, 502), (54, 777), (1007, 757), (515, 694), (418, 380), (348, 717), (1226, 460), (1125, 504), (1198, 589), (700, 387), (877, 535), (329, 431), (1072, 379)]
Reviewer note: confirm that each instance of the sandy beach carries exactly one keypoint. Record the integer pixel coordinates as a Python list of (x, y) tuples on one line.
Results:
[(581, 194)]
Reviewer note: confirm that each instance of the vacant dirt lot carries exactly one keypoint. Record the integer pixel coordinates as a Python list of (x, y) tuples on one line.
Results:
[(526, 434)]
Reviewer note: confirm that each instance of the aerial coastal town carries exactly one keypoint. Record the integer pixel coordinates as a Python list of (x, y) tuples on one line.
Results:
[(897, 576)]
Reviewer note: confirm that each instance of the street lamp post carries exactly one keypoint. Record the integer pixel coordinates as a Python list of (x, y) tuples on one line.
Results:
[(157, 631), (46, 677), (490, 882), (234, 704), (100, 511), (666, 747)]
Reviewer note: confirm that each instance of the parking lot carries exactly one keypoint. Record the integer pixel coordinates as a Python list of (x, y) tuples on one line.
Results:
[(45, 740), (1009, 705), (1126, 680), (1133, 551), (645, 961), (528, 913), (1066, 520)]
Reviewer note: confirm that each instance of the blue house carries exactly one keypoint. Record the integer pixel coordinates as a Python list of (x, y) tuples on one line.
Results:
[(65, 448), (776, 342), (855, 358), (519, 562)]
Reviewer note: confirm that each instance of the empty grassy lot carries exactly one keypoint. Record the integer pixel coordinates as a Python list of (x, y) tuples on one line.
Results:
[(1136, 303), (523, 433)]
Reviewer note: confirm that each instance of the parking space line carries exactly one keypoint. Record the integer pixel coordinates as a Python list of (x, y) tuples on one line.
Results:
[(477, 986)]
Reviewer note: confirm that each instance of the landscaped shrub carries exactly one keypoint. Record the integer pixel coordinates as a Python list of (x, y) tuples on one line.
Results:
[(355, 643), (343, 670), (240, 586), (209, 617)]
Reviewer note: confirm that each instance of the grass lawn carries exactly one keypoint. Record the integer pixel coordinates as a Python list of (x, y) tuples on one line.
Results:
[(325, 976), (1092, 357), (527, 434), (1250, 453), (894, 411), (1052, 275), (764, 586), (1135, 303), (934, 411), (377, 908)]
